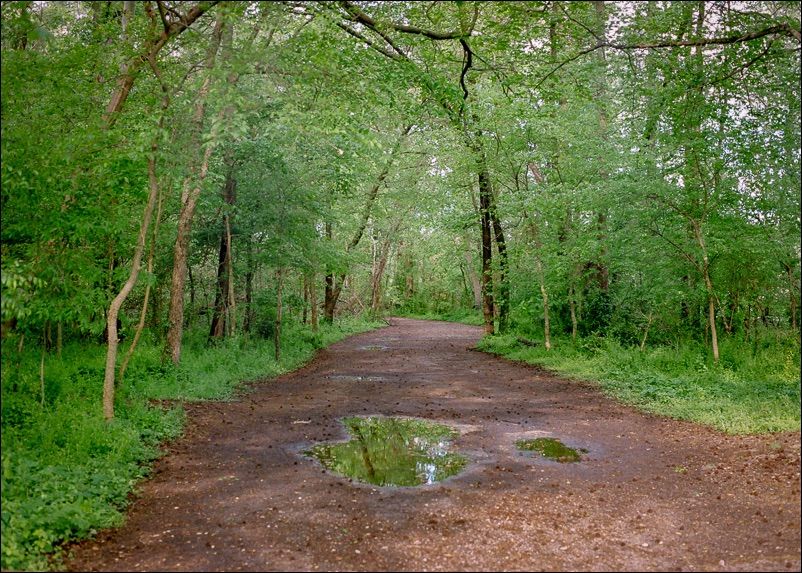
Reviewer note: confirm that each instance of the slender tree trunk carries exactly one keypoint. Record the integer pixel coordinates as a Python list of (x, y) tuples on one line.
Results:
[(313, 302), (711, 296), (277, 329), (189, 199), (603, 273), (487, 255), (221, 323), (503, 283), (646, 331), (116, 304), (376, 280), (231, 308), (792, 287), (476, 283), (217, 328), (42, 376), (328, 294), (486, 213), (248, 320), (143, 314), (305, 292), (572, 304)]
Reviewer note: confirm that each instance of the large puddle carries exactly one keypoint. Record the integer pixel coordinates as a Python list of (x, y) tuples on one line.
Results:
[(392, 452), (552, 449)]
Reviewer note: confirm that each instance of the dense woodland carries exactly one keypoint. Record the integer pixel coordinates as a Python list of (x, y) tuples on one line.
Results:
[(575, 173)]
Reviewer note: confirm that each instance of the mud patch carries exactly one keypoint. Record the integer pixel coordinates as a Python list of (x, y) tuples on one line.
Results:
[(354, 378), (392, 452)]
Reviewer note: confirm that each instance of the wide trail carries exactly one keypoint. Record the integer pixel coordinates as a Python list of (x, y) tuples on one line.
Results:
[(237, 493)]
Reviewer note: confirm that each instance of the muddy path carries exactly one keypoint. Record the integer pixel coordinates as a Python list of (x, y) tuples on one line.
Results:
[(651, 494)]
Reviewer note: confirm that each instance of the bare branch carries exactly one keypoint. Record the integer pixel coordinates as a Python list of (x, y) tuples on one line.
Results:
[(163, 15)]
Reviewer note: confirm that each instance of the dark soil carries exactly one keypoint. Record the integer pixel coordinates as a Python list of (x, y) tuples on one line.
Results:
[(235, 493)]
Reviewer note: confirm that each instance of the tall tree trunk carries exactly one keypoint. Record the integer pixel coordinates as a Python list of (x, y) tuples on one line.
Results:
[(328, 294), (248, 319), (572, 304), (486, 213), (117, 302), (476, 283), (114, 308), (711, 296), (376, 279), (487, 254), (541, 277), (222, 303), (602, 271), (305, 293), (231, 308), (189, 198), (534, 230), (277, 328), (503, 283), (313, 302), (792, 287), (143, 314)]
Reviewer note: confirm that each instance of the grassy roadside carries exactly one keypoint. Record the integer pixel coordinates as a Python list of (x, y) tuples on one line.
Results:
[(66, 473), (754, 389), (465, 317)]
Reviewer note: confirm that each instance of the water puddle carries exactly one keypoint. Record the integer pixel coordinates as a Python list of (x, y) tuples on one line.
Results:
[(354, 378), (380, 347), (552, 449), (392, 452)]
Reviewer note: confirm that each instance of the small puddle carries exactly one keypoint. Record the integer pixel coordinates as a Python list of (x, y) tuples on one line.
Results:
[(354, 378), (374, 347), (551, 448), (392, 452)]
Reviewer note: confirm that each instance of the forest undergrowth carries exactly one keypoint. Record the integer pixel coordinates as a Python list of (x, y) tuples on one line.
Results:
[(68, 473), (755, 388)]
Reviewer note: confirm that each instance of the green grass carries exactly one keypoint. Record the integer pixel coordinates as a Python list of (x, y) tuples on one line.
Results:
[(66, 473), (464, 316), (754, 389)]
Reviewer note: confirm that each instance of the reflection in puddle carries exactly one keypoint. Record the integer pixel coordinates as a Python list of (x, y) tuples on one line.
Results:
[(392, 451), (551, 448)]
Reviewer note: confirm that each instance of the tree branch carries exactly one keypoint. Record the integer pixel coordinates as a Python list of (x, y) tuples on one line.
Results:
[(783, 29), (363, 18)]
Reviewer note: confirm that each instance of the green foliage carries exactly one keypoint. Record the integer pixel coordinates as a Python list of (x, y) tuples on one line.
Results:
[(461, 315), (66, 472), (633, 186), (756, 390)]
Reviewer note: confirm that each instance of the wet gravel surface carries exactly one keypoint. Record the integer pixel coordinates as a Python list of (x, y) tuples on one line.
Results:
[(236, 494)]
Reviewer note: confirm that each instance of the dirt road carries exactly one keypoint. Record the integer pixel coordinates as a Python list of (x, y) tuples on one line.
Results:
[(651, 494)]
